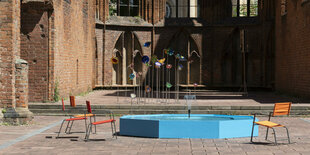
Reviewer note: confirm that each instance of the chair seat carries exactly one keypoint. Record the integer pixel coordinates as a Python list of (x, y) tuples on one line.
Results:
[(84, 115), (75, 119), (268, 124), (102, 122)]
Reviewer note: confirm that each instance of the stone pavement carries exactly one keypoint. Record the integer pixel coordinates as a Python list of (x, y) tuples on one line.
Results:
[(210, 98), (208, 102), (37, 143)]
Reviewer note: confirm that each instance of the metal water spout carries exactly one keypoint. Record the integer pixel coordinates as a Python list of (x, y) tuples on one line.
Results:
[(189, 99), (189, 111)]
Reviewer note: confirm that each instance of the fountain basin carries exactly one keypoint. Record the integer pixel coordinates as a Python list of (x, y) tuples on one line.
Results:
[(180, 126)]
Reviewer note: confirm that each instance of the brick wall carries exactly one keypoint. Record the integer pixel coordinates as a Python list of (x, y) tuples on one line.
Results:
[(99, 56), (293, 48), (74, 45), (34, 48), (219, 48), (111, 38), (9, 50)]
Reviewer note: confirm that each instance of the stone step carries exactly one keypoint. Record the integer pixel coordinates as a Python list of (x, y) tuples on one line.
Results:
[(121, 110), (163, 107)]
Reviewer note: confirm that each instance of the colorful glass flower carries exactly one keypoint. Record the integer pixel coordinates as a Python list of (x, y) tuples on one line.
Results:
[(168, 85), (114, 60), (145, 59), (180, 67), (131, 76), (168, 66), (147, 44)]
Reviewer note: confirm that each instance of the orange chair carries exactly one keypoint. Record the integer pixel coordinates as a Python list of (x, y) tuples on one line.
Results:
[(279, 109), (89, 114), (111, 120), (70, 120)]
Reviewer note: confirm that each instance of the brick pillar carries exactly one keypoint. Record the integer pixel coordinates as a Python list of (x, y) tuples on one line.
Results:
[(9, 44), (9, 53), (20, 114), (21, 83)]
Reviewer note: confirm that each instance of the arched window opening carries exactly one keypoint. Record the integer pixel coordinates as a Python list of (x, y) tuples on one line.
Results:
[(138, 67), (118, 69), (183, 72), (194, 67), (117, 74)]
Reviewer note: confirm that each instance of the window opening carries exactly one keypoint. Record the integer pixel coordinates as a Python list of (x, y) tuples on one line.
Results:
[(182, 8), (283, 7), (244, 8)]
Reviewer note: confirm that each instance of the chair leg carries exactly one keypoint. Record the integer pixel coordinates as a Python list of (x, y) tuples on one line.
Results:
[(267, 133), (60, 128), (115, 129), (112, 129), (95, 125), (252, 132), (88, 132), (86, 125), (71, 127), (68, 124), (288, 135), (275, 137)]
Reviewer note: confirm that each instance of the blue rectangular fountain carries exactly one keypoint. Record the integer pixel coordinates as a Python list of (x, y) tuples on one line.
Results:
[(181, 126)]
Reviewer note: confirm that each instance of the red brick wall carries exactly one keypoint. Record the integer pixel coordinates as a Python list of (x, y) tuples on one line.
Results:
[(219, 48), (111, 38), (9, 50), (74, 45), (34, 48), (99, 56), (293, 48)]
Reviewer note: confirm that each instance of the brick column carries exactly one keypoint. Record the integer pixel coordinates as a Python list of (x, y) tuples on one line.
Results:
[(9, 53), (8, 32)]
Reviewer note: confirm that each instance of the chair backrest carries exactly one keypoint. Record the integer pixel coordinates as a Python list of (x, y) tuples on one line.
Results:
[(72, 101), (63, 105), (88, 107), (282, 108)]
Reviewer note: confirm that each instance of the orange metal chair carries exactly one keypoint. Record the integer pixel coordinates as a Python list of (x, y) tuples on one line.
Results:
[(279, 109), (111, 121), (70, 120), (89, 114)]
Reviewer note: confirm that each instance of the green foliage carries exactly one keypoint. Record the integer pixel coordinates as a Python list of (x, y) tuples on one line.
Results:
[(112, 8), (5, 124), (56, 92), (3, 111)]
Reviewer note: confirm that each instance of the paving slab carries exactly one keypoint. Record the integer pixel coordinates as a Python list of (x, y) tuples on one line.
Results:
[(104, 143)]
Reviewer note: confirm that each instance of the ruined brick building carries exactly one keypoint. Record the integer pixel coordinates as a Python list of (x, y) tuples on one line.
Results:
[(66, 46)]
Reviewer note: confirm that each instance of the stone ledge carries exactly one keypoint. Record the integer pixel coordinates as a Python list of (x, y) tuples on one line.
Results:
[(17, 116)]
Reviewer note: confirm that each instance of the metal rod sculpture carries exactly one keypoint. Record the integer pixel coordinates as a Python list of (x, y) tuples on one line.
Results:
[(161, 82), (115, 61)]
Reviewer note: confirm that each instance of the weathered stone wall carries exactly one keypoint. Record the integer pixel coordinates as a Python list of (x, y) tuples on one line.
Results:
[(293, 48)]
